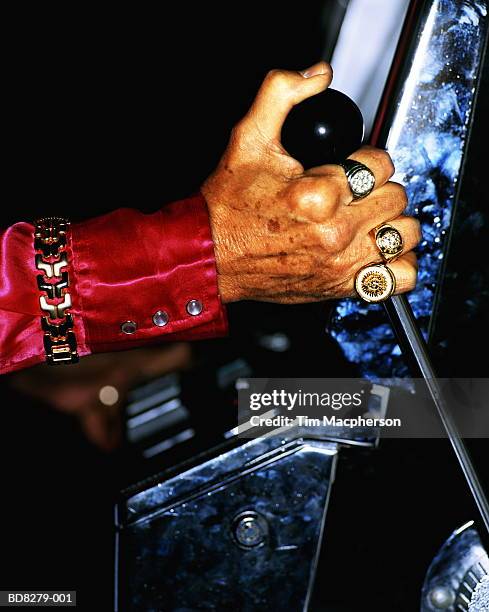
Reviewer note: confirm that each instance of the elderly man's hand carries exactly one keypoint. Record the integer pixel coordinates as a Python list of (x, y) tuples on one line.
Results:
[(287, 235)]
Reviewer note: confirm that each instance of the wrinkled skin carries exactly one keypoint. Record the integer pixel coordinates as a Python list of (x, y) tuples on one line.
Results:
[(287, 235)]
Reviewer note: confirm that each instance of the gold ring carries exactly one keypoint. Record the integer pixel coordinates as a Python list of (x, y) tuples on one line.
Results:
[(389, 242), (375, 283)]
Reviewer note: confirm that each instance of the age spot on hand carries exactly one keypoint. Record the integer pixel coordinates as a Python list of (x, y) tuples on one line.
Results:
[(273, 226)]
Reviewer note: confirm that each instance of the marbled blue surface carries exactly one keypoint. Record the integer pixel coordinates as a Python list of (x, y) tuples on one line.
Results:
[(177, 548), (426, 141)]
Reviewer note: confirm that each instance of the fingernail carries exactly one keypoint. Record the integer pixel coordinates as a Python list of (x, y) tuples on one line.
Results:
[(314, 70)]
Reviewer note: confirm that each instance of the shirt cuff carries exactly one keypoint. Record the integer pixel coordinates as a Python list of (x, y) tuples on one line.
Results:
[(133, 270), (153, 275)]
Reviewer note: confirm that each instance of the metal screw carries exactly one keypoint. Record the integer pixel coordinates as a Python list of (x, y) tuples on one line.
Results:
[(441, 597), (250, 529)]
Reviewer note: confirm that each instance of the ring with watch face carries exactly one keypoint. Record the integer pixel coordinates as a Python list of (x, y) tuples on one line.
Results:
[(360, 178), (375, 283)]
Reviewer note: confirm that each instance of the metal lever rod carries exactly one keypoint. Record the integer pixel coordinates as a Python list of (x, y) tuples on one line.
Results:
[(415, 350)]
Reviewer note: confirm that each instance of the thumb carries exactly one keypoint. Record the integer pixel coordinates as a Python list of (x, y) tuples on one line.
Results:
[(280, 91)]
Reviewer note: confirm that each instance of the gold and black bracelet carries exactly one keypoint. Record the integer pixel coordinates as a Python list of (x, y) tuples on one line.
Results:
[(50, 245)]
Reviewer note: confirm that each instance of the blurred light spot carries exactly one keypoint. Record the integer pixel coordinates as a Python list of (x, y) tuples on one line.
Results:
[(108, 395)]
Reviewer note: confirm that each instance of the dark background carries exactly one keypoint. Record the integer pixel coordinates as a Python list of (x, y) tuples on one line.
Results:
[(134, 109)]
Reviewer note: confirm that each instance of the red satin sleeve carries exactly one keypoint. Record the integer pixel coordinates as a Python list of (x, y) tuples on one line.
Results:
[(124, 266)]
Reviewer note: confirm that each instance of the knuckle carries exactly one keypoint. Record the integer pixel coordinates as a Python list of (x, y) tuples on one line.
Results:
[(277, 78), (409, 277), (342, 235), (385, 160), (397, 189), (335, 237), (414, 262), (271, 74), (307, 194), (239, 129), (334, 189), (417, 231), (412, 280), (397, 196)]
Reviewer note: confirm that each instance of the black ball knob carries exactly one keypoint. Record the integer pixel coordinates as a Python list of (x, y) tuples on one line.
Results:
[(324, 129)]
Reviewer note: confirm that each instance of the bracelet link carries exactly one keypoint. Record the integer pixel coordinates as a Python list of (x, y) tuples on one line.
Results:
[(50, 241), (62, 350)]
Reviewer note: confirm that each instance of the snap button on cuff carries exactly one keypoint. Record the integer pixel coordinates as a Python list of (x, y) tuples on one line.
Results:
[(128, 327), (160, 318), (194, 307)]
